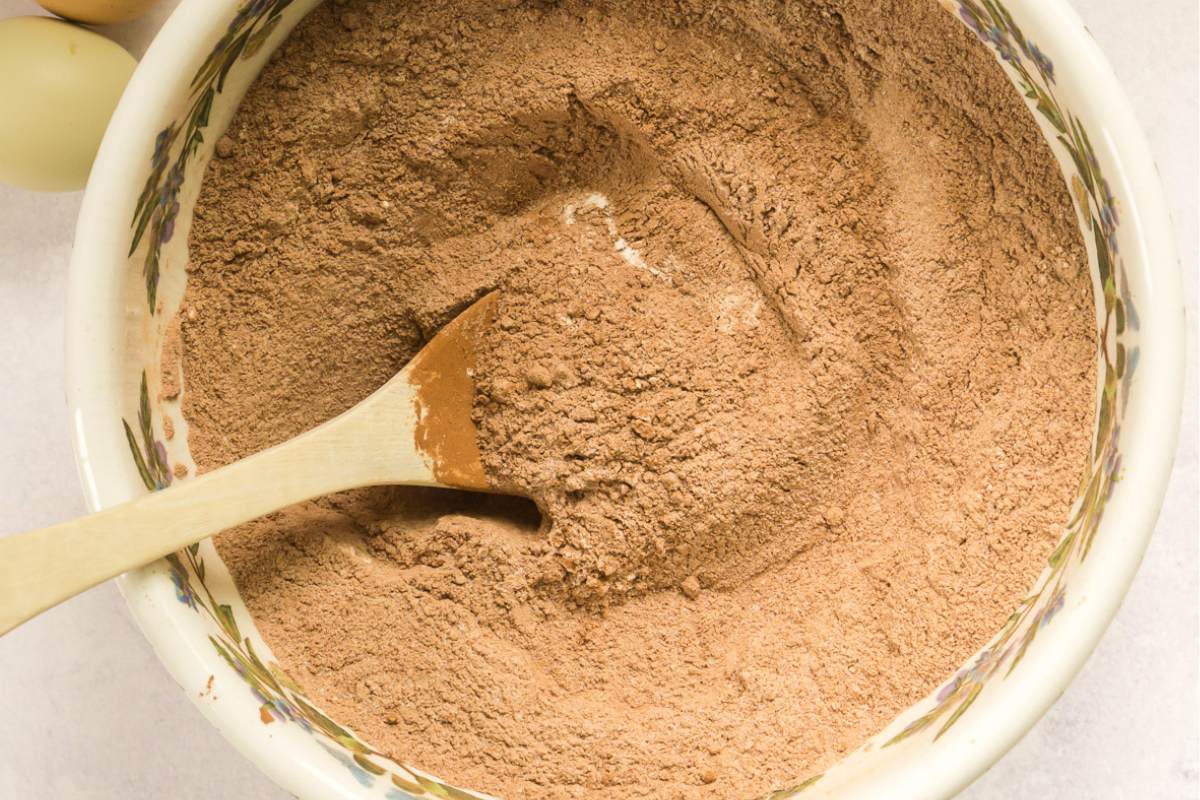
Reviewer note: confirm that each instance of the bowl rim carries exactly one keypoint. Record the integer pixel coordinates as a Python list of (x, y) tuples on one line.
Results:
[(94, 349)]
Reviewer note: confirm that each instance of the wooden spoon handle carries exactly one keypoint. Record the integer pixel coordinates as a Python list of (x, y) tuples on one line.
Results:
[(41, 568), (416, 429)]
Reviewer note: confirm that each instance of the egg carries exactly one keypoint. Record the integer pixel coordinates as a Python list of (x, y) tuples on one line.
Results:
[(59, 84), (98, 12)]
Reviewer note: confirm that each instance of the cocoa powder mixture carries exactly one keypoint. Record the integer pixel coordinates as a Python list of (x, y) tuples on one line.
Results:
[(794, 354)]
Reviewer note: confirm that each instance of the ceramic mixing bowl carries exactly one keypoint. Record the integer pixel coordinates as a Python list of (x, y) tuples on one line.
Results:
[(127, 278)]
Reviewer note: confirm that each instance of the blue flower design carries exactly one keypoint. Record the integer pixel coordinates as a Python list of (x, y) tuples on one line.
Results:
[(982, 667), (280, 708), (251, 9), (168, 227), (288, 709), (976, 673), (950, 688), (168, 202), (1056, 605), (164, 478), (1004, 46), (968, 16), (1109, 219), (162, 148), (169, 191), (183, 589), (1043, 63)]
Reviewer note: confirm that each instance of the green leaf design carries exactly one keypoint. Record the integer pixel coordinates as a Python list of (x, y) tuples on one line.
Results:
[(148, 191), (1026, 640), (227, 622), (1076, 157), (406, 786), (800, 787), (247, 34), (143, 216), (138, 461), (1082, 150), (206, 71), (1051, 112), (431, 787), (1063, 550), (917, 725), (144, 424), (351, 742), (260, 36), (151, 467), (792, 791), (265, 674), (994, 13), (194, 142), (1089, 500), (439, 789), (225, 653), (328, 726), (367, 764), (1106, 415), (204, 107), (1104, 260), (1093, 517), (283, 679), (152, 272), (962, 709), (231, 57)]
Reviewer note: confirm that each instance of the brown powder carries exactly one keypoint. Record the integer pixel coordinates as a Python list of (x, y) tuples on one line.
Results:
[(442, 376), (793, 351)]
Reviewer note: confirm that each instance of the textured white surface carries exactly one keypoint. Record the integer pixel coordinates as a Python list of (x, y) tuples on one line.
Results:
[(88, 713)]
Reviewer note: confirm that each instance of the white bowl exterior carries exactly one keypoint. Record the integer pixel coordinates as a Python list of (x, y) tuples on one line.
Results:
[(103, 320), (100, 316)]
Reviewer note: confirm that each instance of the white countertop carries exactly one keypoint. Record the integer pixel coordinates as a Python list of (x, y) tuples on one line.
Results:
[(88, 713)]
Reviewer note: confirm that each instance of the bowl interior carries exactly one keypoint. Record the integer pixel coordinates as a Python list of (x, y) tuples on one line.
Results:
[(133, 235)]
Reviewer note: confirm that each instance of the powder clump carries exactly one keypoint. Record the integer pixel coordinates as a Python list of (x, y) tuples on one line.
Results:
[(793, 353)]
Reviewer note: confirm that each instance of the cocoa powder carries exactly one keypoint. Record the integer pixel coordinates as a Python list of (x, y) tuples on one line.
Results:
[(793, 353)]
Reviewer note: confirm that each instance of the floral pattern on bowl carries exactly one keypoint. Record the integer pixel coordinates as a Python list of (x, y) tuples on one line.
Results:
[(158, 206), (995, 27), (281, 700)]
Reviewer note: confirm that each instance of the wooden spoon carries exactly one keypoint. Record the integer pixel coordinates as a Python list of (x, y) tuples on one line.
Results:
[(416, 429)]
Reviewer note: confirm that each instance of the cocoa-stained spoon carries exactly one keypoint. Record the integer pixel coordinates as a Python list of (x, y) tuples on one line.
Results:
[(416, 429)]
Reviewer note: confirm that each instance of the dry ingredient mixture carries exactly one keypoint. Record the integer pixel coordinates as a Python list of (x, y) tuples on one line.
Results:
[(794, 354)]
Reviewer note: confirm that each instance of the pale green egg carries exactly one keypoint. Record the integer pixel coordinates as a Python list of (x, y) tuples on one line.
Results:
[(98, 12), (59, 84)]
